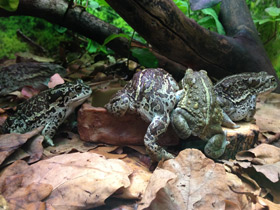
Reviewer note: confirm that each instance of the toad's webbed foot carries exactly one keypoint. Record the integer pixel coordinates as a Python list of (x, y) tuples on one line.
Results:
[(216, 146), (157, 127), (227, 122)]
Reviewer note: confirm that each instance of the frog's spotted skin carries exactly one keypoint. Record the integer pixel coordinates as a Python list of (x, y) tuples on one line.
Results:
[(49, 109), (198, 113), (237, 95), (152, 94)]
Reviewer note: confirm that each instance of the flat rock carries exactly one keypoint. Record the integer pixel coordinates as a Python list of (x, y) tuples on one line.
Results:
[(95, 124)]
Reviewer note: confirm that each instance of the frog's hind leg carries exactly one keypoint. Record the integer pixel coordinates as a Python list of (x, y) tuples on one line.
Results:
[(157, 127), (216, 145)]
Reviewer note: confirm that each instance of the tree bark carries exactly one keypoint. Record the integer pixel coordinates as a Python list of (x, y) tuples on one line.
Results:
[(178, 42), (182, 40), (76, 19)]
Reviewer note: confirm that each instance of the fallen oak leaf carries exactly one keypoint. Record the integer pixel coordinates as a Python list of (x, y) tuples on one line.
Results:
[(10, 142), (262, 154), (200, 183), (29, 197), (79, 180), (65, 145)]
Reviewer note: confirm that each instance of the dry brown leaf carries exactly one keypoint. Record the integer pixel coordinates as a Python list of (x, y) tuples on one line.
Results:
[(79, 180), (268, 115), (271, 171), (10, 142), (35, 148), (29, 197), (139, 180), (66, 145), (105, 151), (268, 204), (262, 154), (200, 184), (3, 203)]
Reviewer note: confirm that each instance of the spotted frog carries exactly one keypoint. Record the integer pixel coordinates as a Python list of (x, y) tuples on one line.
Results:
[(49, 109), (237, 95), (198, 113), (152, 94)]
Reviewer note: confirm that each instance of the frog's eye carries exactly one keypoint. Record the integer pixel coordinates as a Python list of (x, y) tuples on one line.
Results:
[(78, 88)]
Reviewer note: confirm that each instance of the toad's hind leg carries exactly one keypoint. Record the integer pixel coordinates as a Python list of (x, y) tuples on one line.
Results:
[(216, 145), (157, 127)]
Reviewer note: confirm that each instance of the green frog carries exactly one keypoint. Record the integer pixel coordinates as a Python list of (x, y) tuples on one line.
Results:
[(198, 113), (152, 94), (48, 109)]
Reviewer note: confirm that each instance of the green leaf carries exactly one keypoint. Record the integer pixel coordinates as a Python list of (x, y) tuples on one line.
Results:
[(273, 11), (182, 5), (10, 5), (92, 46), (265, 21), (145, 57), (211, 12), (60, 29), (114, 36), (93, 5)]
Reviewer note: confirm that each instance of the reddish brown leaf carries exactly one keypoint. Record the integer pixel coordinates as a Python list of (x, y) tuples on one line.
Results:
[(199, 183)]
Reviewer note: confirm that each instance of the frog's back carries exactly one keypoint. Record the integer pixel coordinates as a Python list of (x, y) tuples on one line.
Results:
[(153, 92)]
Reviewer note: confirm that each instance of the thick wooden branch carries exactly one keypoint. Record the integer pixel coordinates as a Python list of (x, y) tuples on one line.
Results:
[(78, 20), (182, 40)]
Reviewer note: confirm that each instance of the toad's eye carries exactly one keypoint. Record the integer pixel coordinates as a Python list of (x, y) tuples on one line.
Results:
[(78, 89)]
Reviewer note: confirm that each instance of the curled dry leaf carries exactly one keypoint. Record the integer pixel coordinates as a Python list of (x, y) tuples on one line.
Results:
[(10, 142), (268, 115), (65, 145), (79, 180), (139, 180), (262, 154), (193, 182)]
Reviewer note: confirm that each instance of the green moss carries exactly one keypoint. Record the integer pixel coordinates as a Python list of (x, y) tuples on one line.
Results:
[(39, 30)]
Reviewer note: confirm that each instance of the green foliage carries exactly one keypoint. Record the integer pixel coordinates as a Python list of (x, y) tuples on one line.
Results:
[(145, 57), (39, 30), (10, 5), (266, 16)]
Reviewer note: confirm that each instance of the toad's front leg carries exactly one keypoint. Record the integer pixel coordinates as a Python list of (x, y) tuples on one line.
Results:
[(157, 127)]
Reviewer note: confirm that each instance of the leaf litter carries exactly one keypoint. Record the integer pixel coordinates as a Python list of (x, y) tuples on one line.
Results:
[(81, 175)]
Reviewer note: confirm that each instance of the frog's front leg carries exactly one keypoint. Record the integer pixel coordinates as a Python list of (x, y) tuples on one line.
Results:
[(50, 129), (252, 109), (179, 118), (216, 145), (157, 127), (227, 122), (118, 105)]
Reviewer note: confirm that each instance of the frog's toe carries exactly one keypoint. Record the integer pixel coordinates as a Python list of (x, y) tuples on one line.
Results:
[(49, 141)]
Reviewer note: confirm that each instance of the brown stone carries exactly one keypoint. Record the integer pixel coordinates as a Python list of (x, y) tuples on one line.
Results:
[(95, 124)]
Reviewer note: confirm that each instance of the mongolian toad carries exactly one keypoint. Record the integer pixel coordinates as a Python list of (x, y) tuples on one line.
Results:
[(198, 113), (49, 109), (152, 94), (237, 95)]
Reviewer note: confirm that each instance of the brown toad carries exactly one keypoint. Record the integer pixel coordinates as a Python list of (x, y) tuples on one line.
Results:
[(198, 113), (237, 95), (152, 94)]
